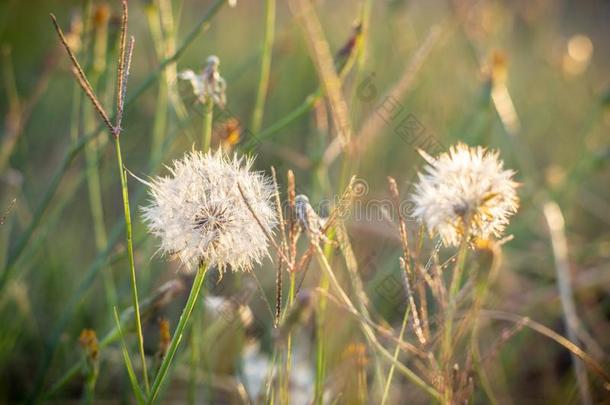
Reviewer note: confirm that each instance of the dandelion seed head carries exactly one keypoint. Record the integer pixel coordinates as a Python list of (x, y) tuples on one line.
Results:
[(465, 187), (200, 216)]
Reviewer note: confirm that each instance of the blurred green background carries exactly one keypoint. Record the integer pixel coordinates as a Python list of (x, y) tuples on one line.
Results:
[(550, 60)]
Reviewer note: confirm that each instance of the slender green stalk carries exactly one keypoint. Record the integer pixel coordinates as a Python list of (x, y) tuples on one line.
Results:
[(454, 289), (448, 341), (263, 83), (173, 347), (160, 120), (132, 267), (288, 119), (195, 343), (132, 376), (403, 327), (320, 341), (90, 382), (285, 387), (208, 118)]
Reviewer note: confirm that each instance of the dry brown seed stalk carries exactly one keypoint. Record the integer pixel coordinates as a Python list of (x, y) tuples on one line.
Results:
[(78, 72), (416, 322), (421, 291)]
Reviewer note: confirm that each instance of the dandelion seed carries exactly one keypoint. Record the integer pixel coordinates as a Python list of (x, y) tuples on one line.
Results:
[(200, 216), (463, 191), (209, 84)]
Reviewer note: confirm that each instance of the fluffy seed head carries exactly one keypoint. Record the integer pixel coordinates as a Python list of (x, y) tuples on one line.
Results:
[(465, 187), (200, 216)]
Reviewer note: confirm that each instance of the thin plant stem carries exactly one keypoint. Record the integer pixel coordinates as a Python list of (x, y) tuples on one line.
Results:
[(388, 382), (154, 26), (129, 236), (195, 353), (124, 65), (177, 338), (286, 386), (454, 289), (208, 118), (263, 83), (320, 346)]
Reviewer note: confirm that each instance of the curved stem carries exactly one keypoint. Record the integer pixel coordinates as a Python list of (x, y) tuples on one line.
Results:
[(263, 83), (173, 347), (403, 327)]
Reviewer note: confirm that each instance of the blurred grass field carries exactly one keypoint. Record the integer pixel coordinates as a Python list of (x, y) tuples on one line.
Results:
[(530, 78)]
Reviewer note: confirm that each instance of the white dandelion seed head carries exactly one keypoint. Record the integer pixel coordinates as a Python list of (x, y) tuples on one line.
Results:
[(465, 185), (200, 216)]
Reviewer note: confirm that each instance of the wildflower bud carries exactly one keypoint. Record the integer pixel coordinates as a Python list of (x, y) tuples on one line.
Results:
[(101, 15), (355, 354), (88, 341), (164, 340), (89, 344), (229, 133)]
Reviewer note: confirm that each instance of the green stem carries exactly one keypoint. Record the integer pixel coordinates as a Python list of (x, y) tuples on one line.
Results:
[(306, 106), (195, 353), (263, 83), (454, 289), (90, 387), (132, 267), (208, 118), (159, 124), (320, 346), (403, 327), (173, 347), (286, 385)]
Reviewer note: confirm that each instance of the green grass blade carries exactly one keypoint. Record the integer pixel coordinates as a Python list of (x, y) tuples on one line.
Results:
[(132, 376)]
